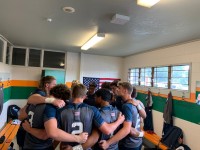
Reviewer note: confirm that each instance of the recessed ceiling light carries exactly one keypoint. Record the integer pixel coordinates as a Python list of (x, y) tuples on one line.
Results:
[(49, 20), (147, 3), (68, 9)]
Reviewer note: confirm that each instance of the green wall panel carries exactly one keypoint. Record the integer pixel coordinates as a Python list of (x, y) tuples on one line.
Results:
[(21, 92), (7, 94), (181, 109)]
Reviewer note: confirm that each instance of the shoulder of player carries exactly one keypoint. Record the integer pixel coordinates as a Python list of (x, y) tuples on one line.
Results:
[(40, 92)]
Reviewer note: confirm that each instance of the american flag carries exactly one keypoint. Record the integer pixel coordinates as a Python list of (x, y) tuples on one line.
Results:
[(98, 81)]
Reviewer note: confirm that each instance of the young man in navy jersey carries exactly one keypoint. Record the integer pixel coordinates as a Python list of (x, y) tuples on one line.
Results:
[(78, 117), (132, 119), (108, 113), (37, 138)]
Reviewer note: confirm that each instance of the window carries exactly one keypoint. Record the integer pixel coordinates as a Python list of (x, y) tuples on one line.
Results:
[(180, 77), (7, 55), (170, 77), (34, 57), (134, 76), (148, 76), (1, 50), (160, 77), (142, 76), (18, 57), (54, 59)]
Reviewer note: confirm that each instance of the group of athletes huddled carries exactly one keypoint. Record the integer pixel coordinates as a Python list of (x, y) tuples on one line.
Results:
[(110, 117)]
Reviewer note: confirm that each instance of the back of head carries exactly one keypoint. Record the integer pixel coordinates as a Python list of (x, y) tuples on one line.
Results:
[(104, 94), (114, 83), (106, 85), (75, 82), (134, 93), (127, 86), (61, 91), (79, 91), (44, 80), (93, 84)]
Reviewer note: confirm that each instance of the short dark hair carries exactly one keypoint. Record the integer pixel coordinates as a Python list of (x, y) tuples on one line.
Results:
[(134, 93), (127, 86), (93, 84), (79, 90), (61, 91), (114, 83), (104, 94), (106, 85)]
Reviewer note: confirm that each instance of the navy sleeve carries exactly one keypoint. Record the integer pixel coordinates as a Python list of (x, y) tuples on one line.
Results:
[(127, 111), (49, 112), (98, 120), (38, 91), (58, 117)]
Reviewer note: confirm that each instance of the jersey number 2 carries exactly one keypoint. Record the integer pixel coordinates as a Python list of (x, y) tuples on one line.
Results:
[(77, 124)]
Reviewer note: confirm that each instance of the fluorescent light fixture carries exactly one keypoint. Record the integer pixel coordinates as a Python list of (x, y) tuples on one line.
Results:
[(147, 3), (95, 39), (62, 64)]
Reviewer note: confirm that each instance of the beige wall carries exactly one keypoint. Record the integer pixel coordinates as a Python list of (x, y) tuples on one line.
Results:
[(179, 54), (101, 66)]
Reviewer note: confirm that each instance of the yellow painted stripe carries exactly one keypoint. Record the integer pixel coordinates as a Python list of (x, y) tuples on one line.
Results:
[(27, 83), (198, 89), (6, 84), (192, 98), (69, 84)]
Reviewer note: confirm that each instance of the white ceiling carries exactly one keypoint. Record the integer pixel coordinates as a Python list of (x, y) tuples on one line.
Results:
[(23, 23)]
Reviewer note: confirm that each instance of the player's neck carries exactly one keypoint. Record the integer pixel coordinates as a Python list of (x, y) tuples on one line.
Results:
[(104, 103), (126, 97), (78, 100)]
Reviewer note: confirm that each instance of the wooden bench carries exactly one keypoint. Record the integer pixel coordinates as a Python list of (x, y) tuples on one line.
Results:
[(9, 131), (155, 139)]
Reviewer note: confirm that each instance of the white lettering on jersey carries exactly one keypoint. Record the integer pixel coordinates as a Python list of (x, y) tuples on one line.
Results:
[(77, 124), (30, 114)]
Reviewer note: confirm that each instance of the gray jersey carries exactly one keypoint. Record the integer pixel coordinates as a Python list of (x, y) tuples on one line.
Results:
[(109, 114), (36, 120), (131, 115), (78, 118)]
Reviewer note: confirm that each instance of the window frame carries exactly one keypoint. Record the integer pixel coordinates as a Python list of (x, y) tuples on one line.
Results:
[(41, 57), (134, 76), (169, 78), (188, 78)]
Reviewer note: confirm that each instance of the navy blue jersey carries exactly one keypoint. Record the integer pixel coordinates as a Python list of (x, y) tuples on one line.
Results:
[(131, 115), (90, 100), (50, 112), (38, 91), (118, 103), (109, 114), (78, 118), (35, 118)]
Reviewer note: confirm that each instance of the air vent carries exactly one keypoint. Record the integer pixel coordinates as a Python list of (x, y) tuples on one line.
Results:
[(120, 19), (68, 10)]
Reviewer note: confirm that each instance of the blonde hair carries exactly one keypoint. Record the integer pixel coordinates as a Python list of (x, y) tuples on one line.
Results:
[(74, 83), (44, 80), (79, 91)]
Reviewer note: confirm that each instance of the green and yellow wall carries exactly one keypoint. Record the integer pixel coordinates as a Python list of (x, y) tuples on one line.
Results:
[(186, 113)]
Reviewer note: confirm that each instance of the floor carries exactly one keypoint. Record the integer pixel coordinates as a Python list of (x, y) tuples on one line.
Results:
[(16, 147)]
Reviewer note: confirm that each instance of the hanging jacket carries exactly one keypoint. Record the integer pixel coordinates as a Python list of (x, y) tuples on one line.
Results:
[(148, 121), (167, 114)]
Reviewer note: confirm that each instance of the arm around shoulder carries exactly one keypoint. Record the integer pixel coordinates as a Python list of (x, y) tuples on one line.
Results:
[(36, 99)]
